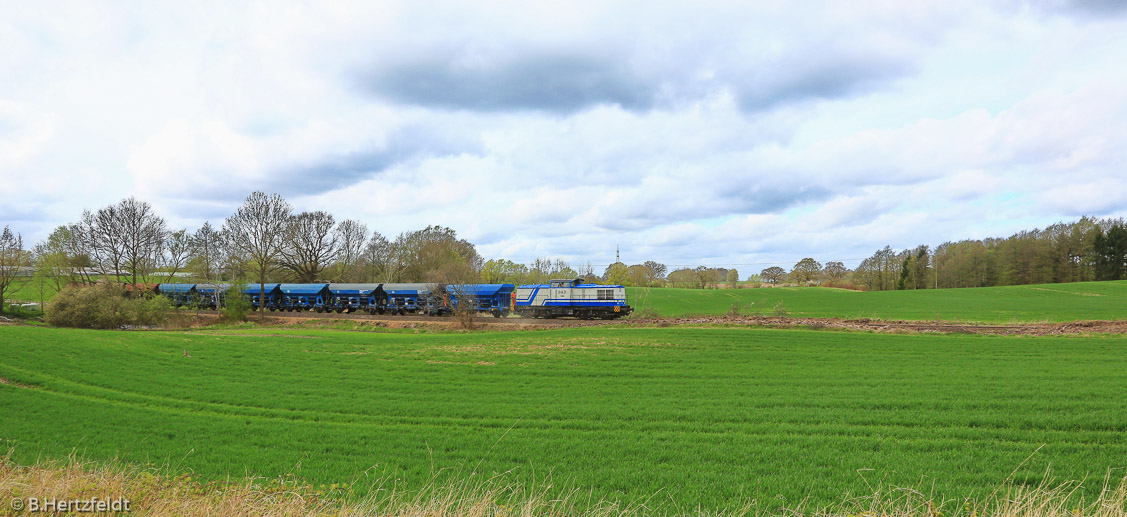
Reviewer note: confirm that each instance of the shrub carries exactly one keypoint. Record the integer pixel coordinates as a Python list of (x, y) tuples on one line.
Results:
[(780, 309), (644, 313), (104, 307), (237, 304)]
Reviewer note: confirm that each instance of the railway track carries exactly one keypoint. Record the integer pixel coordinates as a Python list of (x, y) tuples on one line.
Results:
[(483, 321)]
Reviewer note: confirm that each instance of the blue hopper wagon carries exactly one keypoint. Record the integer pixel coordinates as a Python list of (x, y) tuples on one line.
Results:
[(273, 296), (369, 298), (212, 296), (415, 298), (304, 297), (179, 294), (486, 298)]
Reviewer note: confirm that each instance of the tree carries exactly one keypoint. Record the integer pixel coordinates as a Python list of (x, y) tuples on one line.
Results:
[(1111, 253), (682, 277), (806, 270), (207, 252), (11, 258), (655, 271), (255, 235), (501, 271), (381, 260), (733, 278), (432, 251), (350, 235), (143, 235), (309, 244), (639, 275), (773, 274), (704, 276), (834, 271), (617, 274), (59, 260), (102, 240), (179, 248)]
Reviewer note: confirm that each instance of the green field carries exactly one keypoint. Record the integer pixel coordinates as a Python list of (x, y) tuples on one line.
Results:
[(1012, 304), (699, 416), (1026, 303)]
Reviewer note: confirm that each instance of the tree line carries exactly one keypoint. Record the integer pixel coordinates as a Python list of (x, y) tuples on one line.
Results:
[(265, 240), (1086, 250)]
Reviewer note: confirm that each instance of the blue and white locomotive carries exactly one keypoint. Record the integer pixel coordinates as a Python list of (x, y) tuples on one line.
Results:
[(571, 297)]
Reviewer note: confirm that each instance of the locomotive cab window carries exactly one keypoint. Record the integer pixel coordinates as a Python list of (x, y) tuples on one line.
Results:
[(605, 294)]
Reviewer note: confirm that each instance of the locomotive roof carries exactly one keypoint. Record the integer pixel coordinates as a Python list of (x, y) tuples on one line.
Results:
[(576, 286)]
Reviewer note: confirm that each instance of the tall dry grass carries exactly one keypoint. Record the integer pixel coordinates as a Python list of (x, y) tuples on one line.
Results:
[(153, 492)]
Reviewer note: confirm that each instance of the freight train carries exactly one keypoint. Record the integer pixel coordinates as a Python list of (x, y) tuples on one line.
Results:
[(558, 298)]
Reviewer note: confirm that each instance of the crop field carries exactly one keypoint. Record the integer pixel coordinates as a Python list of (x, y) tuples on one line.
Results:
[(1011, 304), (678, 417)]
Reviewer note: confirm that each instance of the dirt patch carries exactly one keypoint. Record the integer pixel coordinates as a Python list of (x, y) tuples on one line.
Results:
[(867, 325), (8, 382), (478, 363), (230, 334), (904, 327)]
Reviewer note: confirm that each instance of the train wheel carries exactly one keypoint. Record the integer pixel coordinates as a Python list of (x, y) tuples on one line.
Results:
[(505, 313)]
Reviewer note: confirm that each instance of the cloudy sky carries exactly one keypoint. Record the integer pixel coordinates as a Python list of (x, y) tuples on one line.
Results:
[(719, 133)]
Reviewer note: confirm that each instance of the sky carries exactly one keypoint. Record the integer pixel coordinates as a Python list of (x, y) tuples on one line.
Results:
[(734, 134)]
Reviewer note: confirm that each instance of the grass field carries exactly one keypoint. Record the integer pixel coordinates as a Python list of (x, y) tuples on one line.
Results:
[(677, 416), (1027, 303)]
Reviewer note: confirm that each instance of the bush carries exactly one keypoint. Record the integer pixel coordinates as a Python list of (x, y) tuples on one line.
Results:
[(237, 305), (105, 307)]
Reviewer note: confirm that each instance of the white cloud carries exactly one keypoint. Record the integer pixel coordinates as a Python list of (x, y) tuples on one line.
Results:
[(705, 132)]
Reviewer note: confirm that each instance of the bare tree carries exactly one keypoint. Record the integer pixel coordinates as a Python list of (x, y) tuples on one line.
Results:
[(143, 234), (207, 251), (350, 240), (654, 271), (255, 235), (587, 272), (11, 258), (381, 260), (102, 240), (179, 247), (309, 244)]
